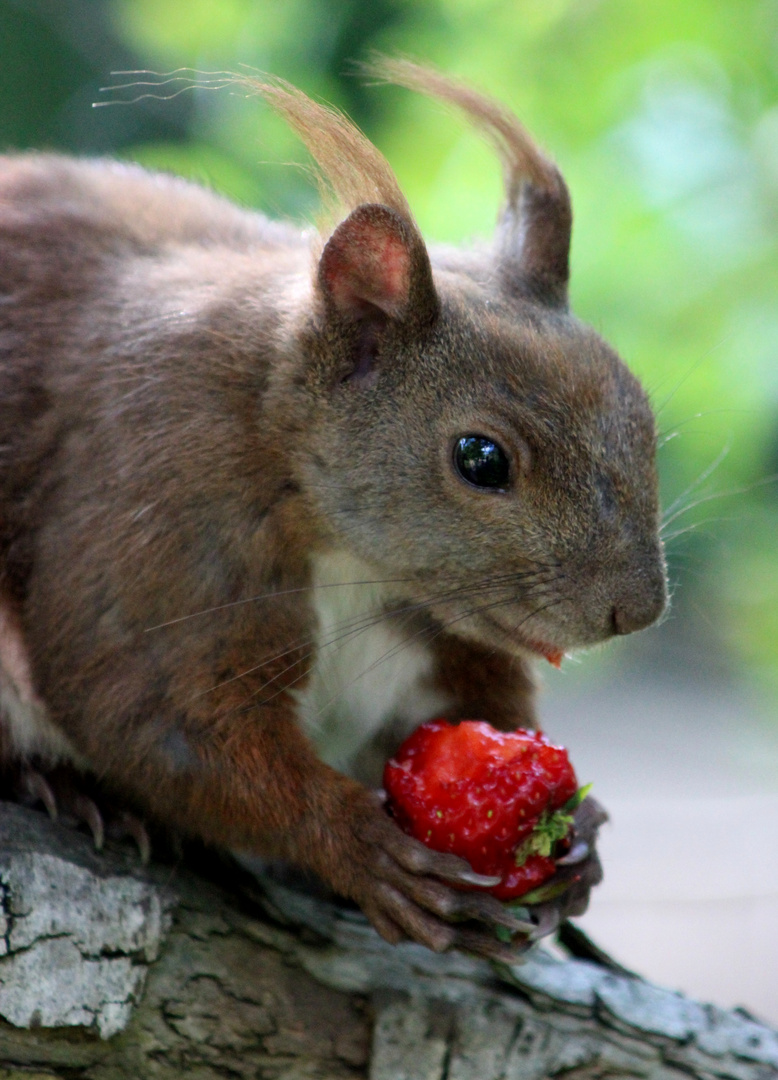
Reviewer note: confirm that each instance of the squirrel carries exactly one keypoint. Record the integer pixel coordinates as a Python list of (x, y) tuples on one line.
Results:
[(271, 498)]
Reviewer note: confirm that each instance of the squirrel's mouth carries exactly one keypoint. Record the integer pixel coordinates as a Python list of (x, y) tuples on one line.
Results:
[(534, 645), (548, 652)]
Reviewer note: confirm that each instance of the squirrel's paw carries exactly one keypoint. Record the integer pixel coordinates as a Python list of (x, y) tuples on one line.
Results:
[(405, 889), (64, 794), (576, 875)]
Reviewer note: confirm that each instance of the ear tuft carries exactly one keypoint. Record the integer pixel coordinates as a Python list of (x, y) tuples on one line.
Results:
[(375, 262), (534, 240)]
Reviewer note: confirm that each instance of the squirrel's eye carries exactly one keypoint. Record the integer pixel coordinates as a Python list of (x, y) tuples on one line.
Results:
[(482, 462)]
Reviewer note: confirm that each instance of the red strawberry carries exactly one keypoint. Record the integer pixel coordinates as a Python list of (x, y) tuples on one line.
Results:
[(500, 800)]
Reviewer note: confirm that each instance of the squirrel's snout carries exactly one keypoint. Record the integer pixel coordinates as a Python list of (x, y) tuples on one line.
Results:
[(640, 609)]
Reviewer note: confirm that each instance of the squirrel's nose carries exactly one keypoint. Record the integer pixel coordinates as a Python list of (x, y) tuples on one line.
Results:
[(639, 611)]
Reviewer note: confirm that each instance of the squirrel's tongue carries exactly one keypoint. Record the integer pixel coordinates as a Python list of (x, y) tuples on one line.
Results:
[(555, 658)]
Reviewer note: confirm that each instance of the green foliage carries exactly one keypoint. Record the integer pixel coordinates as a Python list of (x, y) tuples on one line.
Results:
[(663, 116)]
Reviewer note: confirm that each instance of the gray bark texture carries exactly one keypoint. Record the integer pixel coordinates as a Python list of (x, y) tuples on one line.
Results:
[(110, 971)]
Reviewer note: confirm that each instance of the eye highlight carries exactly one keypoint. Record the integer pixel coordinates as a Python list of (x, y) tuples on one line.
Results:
[(482, 462)]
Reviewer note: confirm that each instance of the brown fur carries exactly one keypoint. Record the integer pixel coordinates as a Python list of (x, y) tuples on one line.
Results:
[(350, 168), (189, 419), (534, 230)]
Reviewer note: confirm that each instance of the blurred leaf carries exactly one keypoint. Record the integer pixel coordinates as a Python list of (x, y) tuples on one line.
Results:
[(663, 117)]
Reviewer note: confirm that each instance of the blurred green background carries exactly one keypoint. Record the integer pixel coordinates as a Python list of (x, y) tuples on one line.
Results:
[(664, 119)]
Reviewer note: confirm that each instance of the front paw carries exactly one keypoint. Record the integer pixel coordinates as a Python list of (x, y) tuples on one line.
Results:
[(410, 892), (566, 894)]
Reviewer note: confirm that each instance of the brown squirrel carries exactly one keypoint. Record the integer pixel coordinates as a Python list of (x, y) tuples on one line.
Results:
[(268, 500)]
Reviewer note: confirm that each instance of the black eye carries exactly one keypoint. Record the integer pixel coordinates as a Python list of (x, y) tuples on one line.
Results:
[(482, 462)]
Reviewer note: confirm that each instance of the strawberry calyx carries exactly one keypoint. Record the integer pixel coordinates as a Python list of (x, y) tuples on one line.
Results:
[(552, 826)]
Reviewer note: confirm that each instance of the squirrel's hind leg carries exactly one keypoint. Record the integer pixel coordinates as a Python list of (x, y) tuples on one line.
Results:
[(38, 764)]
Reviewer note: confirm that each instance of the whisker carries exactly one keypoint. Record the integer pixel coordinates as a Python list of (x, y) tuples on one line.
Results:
[(350, 628), (433, 631), (705, 356), (744, 490), (272, 596), (302, 589), (356, 629), (537, 611), (521, 622), (158, 97), (697, 525), (663, 440), (195, 80), (666, 436), (695, 484)]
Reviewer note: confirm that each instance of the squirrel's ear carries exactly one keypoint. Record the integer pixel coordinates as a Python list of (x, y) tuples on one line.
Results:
[(376, 262), (534, 229)]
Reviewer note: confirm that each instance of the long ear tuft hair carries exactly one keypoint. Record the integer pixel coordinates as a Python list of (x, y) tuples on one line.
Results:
[(351, 171), (535, 224)]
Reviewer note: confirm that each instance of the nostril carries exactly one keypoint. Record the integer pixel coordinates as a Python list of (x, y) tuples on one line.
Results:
[(638, 599), (627, 617)]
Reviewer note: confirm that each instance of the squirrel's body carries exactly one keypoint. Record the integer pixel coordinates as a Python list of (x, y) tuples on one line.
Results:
[(235, 554)]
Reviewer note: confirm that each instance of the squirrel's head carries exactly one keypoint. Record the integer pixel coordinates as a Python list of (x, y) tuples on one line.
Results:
[(470, 438)]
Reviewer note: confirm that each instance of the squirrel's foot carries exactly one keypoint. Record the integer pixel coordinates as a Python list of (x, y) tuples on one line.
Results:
[(64, 795)]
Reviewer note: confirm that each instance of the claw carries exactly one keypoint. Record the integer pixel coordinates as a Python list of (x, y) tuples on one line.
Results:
[(512, 922), (86, 810), (62, 795), (492, 912), (510, 955), (520, 926), (578, 853), (549, 918), (36, 786), (470, 877), (580, 946), (490, 947), (72, 806), (128, 824)]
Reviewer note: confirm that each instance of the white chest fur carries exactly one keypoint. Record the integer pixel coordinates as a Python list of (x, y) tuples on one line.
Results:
[(27, 730), (371, 672)]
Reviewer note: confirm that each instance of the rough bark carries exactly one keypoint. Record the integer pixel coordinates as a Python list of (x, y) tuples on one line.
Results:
[(110, 972)]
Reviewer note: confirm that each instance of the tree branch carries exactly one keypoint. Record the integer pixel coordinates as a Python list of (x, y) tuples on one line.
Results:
[(109, 971)]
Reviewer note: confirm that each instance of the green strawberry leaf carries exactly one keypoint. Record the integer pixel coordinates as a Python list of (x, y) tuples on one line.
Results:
[(519, 910), (575, 800), (544, 893), (552, 826)]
